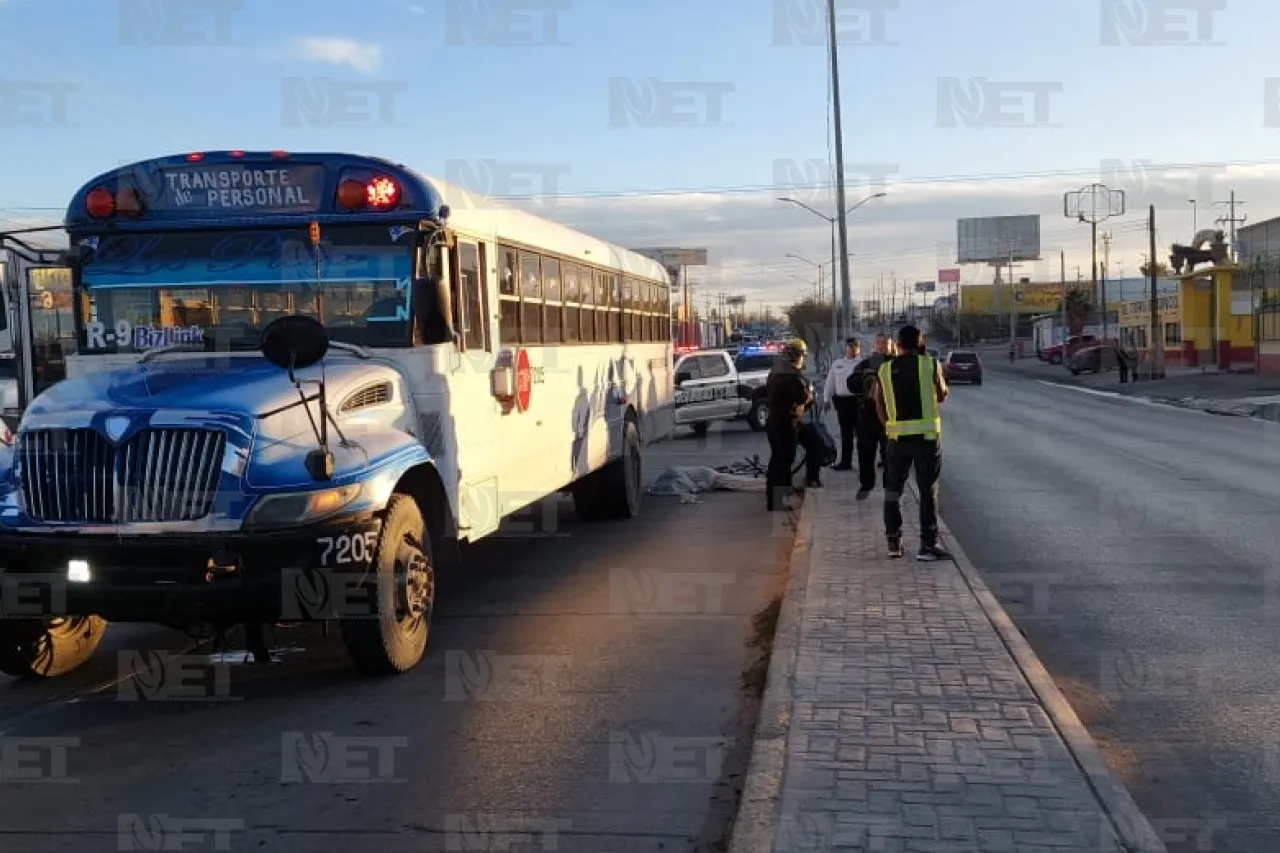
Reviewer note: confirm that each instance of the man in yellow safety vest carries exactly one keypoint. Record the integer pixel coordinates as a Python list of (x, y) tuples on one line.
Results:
[(907, 393)]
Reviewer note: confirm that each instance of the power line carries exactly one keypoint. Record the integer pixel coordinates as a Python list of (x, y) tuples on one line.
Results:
[(760, 189)]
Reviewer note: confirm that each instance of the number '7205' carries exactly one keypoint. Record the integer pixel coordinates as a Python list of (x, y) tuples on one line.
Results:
[(341, 550)]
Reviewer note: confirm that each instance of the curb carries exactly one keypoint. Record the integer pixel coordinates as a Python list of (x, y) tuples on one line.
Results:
[(1128, 821), (753, 826)]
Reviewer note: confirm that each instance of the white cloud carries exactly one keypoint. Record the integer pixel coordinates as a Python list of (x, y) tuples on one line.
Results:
[(365, 58), (909, 234)]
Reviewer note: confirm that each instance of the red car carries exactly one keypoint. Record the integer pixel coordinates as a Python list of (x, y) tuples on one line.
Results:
[(962, 366), (1053, 354)]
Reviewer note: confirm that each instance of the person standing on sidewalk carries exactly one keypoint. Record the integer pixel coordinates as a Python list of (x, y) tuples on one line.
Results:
[(908, 392), (871, 437), (788, 394), (839, 394)]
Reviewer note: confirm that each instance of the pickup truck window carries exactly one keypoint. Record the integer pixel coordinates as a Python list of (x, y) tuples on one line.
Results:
[(689, 365), (713, 366)]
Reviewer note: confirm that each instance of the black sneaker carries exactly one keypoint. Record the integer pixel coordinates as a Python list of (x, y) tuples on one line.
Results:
[(863, 494), (933, 553), (842, 467), (895, 546)]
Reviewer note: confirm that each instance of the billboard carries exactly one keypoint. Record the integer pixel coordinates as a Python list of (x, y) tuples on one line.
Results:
[(990, 299), (992, 239), (926, 286), (950, 276), (673, 257)]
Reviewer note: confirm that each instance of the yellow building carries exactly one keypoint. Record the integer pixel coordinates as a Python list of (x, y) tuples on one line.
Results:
[(1031, 298), (1217, 317), (1135, 323)]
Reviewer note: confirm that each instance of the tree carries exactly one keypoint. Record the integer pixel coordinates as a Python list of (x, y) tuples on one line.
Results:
[(1162, 269), (811, 320), (1079, 306)]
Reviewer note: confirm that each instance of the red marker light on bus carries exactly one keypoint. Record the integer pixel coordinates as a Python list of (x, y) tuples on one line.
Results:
[(235, 154), (99, 203), (383, 193), (195, 157), (352, 195), (280, 155)]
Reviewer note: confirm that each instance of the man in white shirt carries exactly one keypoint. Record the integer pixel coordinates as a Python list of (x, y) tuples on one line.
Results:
[(836, 393)]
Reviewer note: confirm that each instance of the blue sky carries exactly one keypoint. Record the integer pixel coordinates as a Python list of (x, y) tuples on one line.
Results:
[(541, 113)]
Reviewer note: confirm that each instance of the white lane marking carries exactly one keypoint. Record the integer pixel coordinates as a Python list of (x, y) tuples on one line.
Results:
[(1141, 401)]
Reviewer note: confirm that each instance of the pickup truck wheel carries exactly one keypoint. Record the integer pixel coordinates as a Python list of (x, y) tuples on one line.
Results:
[(701, 429), (34, 648), (1055, 359), (758, 417), (394, 639)]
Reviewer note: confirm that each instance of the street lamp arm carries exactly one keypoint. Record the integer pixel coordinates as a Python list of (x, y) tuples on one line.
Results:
[(829, 219), (864, 201), (803, 258)]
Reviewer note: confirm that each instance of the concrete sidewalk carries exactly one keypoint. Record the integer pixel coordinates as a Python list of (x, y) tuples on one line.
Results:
[(906, 714)]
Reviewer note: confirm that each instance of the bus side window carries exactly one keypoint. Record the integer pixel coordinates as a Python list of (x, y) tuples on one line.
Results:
[(508, 295), (530, 298), (470, 295)]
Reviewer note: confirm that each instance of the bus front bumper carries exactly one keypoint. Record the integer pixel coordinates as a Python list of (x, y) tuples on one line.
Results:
[(302, 574)]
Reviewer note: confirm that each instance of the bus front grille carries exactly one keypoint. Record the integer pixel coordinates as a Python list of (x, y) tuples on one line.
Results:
[(76, 476)]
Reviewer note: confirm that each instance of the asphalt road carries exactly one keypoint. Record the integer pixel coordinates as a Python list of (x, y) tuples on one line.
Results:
[(1136, 547), (584, 691)]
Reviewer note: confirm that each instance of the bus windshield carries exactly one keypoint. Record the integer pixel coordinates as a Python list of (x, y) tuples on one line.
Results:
[(220, 289)]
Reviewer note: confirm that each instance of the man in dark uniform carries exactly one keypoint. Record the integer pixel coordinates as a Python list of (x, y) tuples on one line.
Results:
[(870, 432), (908, 393), (788, 394)]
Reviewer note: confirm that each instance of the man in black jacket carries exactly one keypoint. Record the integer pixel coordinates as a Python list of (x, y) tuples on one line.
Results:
[(788, 394), (871, 435)]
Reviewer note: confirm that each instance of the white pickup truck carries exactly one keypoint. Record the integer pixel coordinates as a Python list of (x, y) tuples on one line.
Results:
[(712, 386)]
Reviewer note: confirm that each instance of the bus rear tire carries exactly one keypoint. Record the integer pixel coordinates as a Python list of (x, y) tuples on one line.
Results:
[(394, 640), (614, 491), (32, 648)]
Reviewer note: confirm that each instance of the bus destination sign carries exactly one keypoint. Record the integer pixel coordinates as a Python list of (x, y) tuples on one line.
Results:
[(278, 189)]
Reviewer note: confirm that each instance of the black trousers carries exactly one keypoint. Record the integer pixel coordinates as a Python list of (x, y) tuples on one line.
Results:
[(926, 458), (783, 441), (809, 439), (1123, 366), (847, 416), (871, 440)]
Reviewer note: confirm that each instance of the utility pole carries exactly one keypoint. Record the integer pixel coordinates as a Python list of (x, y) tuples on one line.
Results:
[(1156, 341), (841, 209), (1062, 260), (1106, 241), (1013, 307), (1232, 220)]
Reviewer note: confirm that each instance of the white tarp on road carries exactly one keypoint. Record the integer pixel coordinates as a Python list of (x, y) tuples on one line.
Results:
[(693, 481)]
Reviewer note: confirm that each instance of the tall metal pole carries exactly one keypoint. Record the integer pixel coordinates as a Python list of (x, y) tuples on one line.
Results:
[(1106, 239), (1062, 260), (845, 290), (1156, 343), (1093, 228), (835, 318), (1013, 307)]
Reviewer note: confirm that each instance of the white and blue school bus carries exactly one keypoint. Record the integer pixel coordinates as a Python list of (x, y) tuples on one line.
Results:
[(313, 371)]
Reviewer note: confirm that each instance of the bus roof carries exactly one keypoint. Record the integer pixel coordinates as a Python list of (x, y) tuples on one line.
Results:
[(247, 189)]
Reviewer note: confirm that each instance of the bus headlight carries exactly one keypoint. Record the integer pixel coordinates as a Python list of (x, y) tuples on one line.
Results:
[(301, 507)]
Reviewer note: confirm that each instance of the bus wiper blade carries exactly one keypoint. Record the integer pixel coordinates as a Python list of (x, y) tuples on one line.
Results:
[(158, 351), (357, 351)]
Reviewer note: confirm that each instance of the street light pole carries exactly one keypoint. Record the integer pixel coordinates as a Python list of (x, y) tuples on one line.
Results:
[(845, 290)]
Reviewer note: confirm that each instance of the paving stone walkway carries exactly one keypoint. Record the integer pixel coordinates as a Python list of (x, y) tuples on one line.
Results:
[(912, 728)]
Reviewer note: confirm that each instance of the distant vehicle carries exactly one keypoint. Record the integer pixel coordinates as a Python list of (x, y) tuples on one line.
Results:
[(963, 366), (933, 353), (709, 388), (1053, 354), (1086, 360)]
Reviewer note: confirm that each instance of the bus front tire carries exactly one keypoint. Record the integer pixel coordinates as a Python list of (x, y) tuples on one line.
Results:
[(33, 648), (613, 492), (394, 640)]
